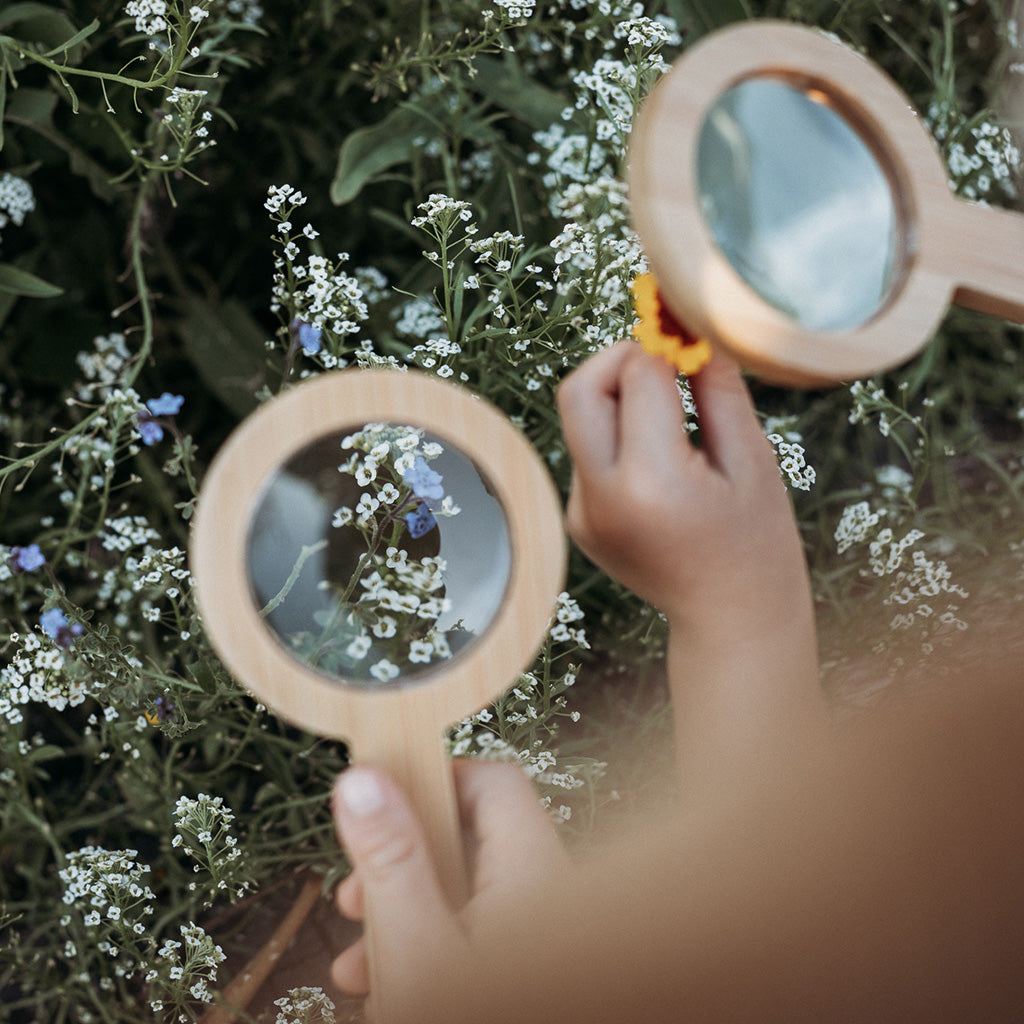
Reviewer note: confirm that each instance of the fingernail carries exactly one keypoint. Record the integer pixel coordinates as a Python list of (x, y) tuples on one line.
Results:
[(360, 792)]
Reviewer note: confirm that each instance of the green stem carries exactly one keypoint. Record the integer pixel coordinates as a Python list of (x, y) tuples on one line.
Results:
[(307, 552)]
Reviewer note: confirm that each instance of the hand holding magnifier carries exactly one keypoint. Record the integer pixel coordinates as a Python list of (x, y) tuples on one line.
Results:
[(796, 211), (377, 555)]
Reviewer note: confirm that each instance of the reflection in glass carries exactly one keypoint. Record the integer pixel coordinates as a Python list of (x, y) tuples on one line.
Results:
[(378, 554), (798, 203)]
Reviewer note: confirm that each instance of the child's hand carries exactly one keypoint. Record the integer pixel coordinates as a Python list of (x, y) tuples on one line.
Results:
[(702, 533), (706, 534), (511, 843)]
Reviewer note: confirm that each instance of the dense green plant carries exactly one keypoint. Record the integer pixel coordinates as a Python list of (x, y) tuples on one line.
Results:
[(200, 205)]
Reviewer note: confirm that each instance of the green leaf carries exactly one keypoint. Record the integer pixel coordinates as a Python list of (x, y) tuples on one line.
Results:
[(22, 12), (39, 23), (227, 347), (31, 106), (3, 102), (707, 15), (16, 281), (78, 37), (368, 151), (505, 83)]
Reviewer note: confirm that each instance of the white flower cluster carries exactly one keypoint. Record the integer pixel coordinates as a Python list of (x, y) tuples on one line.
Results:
[(107, 886), (419, 318), (610, 87), (498, 251), (305, 1005), (150, 16), (793, 464), (561, 630), (508, 730), (189, 967), (16, 199), (400, 598), (122, 533), (37, 672), (571, 156), (916, 584), (441, 213), (159, 573), (648, 33), (145, 569), (247, 11), (104, 365), (598, 255), (983, 158), (317, 293), (203, 826), (856, 524), (516, 8)]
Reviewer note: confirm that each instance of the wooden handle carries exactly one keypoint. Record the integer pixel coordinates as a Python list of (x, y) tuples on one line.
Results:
[(984, 251), (417, 761)]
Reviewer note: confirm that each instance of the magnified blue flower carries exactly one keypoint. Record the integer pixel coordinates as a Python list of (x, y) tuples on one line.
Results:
[(166, 405), (425, 482), (56, 626), (307, 335), (27, 559), (421, 521), (150, 430)]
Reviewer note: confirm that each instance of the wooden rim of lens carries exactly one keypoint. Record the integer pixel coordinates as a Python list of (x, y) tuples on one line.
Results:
[(327, 405), (699, 284)]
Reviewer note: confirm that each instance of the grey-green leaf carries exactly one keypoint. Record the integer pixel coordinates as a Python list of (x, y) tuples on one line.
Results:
[(16, 281), (369, 151)]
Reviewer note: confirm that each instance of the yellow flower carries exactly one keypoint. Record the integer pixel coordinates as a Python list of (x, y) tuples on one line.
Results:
[(661, 334)]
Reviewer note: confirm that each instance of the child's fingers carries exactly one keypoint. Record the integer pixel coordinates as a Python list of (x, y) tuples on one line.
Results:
[(588, 402), (650, 409), (731, 435), (350, 972), (348, 897), (512, 834), (388, 848)]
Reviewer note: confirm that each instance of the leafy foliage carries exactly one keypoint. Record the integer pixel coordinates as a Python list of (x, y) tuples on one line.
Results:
[(460, 176)]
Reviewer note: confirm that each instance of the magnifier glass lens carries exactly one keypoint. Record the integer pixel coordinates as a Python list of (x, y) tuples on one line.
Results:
[(798, 203), (376, 554)]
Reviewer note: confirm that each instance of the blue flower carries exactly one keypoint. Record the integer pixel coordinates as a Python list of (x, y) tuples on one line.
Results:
[(424, 481), (421, 521), (56, 626), (150, 430), (27, 559), (163, 710), (307, 335), (166, 405)]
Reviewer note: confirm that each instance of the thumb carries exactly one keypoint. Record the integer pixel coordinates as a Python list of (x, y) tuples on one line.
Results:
[(387, 846)]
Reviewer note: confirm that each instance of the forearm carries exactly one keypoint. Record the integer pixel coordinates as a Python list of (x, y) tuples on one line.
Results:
[(745, 688)]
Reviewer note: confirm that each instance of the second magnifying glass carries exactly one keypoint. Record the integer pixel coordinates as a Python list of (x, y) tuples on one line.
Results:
[(797, 213)]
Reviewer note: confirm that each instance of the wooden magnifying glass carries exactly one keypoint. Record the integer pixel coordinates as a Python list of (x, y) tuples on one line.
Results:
[(796, 211), (377, 555)]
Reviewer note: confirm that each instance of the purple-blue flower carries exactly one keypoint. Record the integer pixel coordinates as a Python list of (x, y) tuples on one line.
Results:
[(27, 559), (306, 335), (425, 482), (150, 430), (166, 405), (421, 521), (56, 626)]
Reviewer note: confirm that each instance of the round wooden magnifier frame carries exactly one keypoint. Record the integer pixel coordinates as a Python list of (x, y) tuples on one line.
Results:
[(949, 250), (398, 727)]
